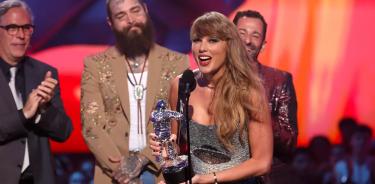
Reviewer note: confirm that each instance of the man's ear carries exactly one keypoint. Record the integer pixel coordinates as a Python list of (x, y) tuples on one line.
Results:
[(109, 22), (145, 7), (263, 46)]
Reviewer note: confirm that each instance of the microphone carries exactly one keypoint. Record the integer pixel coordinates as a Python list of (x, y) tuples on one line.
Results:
[(187, 82), (186, 85)]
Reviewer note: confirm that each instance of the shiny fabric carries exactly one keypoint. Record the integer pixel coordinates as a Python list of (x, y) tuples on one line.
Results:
[(283, 106), (209, 155)]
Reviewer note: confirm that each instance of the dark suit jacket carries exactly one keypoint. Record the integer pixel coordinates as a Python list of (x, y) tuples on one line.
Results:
[(54, 124)]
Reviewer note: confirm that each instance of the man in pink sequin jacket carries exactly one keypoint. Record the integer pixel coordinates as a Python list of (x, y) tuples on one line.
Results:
[(280, 92)]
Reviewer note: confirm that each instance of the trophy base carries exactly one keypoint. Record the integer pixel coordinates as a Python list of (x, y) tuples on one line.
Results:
[(178, 173), (178, 177)]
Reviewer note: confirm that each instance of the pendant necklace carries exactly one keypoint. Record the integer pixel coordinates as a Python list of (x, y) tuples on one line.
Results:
[(138, 92)]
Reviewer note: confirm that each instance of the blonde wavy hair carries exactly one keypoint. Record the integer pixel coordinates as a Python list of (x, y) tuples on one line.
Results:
[(239, 96)]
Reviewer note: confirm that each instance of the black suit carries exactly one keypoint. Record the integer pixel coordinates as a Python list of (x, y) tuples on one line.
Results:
[(54, 124)]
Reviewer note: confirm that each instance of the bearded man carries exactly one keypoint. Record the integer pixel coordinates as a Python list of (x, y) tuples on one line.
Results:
[(120, 86)]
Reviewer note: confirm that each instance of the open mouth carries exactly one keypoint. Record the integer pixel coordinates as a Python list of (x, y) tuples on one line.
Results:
[(204, 60)]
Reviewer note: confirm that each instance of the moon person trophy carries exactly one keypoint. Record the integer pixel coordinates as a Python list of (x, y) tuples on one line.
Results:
[(174, 167)]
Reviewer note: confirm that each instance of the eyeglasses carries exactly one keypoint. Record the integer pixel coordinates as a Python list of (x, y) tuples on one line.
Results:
[(12, 29)]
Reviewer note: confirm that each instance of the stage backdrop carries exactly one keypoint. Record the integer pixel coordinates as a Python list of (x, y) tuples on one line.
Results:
[(327, 45)]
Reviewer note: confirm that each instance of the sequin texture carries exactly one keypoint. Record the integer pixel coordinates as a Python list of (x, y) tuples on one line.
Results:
[(209, 155)]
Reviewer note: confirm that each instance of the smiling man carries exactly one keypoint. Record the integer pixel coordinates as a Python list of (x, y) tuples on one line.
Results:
[(31, 110), (279, 91)]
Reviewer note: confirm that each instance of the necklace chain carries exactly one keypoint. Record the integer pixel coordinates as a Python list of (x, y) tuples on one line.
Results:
[(131, 71), (135, 63)]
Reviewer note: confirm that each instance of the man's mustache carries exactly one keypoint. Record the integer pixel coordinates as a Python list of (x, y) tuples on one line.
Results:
[(138, 25)]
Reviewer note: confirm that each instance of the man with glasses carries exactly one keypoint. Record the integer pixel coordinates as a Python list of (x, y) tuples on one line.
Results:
[(31, 110), (12, 29)]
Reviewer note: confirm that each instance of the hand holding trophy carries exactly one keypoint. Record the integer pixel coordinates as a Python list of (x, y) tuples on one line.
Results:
[(174, 167)]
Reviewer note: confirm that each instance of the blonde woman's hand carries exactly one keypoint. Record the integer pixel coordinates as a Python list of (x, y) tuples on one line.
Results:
[(154, 144), (158, 148)]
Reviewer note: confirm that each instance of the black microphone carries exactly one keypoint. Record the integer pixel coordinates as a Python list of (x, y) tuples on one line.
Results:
[(186, 85), (187, 82)]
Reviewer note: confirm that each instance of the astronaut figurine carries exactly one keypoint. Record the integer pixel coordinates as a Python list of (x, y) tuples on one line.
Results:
[(161, 119)]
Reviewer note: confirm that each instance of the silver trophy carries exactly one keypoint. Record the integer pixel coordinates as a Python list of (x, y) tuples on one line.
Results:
[(173, 166)]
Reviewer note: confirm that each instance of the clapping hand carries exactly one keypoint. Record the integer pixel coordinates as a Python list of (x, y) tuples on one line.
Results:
[(46, 89), (40, 96)]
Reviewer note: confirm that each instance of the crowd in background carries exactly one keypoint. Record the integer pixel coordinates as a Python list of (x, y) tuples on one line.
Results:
[(350, 160)]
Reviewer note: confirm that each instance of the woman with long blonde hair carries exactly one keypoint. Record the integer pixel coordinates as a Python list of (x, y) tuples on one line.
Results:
[(230, 128)]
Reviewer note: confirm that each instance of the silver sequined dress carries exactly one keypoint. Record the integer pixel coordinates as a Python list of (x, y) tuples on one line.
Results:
[(209, 155)]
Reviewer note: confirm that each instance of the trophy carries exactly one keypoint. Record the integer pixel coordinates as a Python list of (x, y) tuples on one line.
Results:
[(174, 167)]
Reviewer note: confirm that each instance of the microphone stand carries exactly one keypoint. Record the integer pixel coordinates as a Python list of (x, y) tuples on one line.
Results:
[(186, 113)]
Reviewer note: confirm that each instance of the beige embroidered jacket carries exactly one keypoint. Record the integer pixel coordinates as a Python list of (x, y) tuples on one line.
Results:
[(105, 103)]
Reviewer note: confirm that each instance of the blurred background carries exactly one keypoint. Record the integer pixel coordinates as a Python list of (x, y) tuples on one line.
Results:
[(326, 44)]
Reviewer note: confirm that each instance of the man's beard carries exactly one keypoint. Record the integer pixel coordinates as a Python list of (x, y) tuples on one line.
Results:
[(134, 43)]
